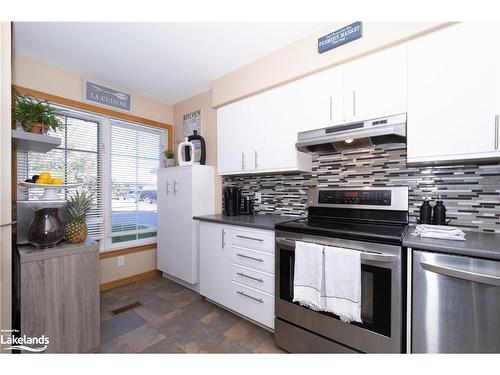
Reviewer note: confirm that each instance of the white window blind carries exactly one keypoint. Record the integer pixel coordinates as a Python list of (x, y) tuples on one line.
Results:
[(77, 160), (135, 159)]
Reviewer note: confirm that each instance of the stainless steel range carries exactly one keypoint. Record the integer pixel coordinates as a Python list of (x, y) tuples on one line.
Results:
[(370, 220)]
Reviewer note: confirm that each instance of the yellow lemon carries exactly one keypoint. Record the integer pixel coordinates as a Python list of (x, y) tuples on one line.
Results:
[(45, 176), (43, 181), (57, 181)]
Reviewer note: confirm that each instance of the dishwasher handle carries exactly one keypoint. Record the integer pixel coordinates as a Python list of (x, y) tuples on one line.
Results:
[(461, 274)]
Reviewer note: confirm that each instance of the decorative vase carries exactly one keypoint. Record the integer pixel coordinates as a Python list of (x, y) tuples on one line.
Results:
[(39, 128), (199, 152), (182, 153), (168, 162), (46, 229)]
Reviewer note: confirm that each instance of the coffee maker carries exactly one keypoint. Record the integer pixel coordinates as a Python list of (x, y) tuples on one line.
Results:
[(232, 198)]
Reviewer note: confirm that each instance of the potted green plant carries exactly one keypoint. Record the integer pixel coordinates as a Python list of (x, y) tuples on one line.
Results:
[(34, 115), (169, 160)]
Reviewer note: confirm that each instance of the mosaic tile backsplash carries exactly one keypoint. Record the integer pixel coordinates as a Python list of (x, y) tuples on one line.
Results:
[(470, 192)]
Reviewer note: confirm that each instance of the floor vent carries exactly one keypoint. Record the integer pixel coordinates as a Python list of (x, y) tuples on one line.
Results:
[(125, 308)]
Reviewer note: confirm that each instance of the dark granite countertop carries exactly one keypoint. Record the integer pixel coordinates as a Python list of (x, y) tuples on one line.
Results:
[(476, 244), (260, 221)]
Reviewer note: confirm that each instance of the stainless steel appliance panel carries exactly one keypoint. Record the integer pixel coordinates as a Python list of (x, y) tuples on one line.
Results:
[(456, 304), (298, 340), (378, 257)]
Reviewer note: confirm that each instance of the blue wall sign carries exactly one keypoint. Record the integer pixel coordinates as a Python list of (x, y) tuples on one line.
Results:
[(340, 37), (103, 95)]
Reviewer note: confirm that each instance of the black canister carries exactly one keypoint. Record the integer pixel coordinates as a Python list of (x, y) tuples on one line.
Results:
[(439, 213), (200, 150), (425, 212), (232, 198)]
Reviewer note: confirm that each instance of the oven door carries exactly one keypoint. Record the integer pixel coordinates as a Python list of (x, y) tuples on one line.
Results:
[(381, 296)]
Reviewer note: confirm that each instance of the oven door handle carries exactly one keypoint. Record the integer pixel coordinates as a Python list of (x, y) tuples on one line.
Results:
[(365, 255)]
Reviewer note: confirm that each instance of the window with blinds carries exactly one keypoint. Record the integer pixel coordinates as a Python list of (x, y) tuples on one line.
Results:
[(134, 162), (76, 160), (115, 160)]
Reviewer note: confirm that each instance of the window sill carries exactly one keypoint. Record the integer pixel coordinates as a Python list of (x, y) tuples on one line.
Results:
[(128, 250)]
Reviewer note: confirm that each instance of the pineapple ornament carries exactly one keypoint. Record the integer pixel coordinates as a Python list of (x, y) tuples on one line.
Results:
[(76, 228)]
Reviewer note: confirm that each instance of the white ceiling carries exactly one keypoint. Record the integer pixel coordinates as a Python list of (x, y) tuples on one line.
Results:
[(168, 62)]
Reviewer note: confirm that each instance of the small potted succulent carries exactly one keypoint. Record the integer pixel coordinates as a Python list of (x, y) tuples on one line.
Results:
[(34, 115), (169, 160)]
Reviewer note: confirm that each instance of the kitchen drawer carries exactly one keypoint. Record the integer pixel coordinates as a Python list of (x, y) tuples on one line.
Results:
[(256, 305), (258, 260), (256, 239), (256, 279)]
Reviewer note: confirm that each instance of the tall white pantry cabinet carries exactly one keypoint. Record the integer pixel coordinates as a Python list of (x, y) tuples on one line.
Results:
[(183, 192)]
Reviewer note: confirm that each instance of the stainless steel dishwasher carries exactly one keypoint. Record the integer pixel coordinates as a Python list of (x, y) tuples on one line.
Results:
[(455, 304)]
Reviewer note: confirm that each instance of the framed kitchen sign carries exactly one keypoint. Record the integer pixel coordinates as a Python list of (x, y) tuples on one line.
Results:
[(106, 96), (192, 121), (340, 37)]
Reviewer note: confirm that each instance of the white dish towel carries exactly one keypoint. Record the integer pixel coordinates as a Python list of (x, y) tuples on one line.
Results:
[(343, 283), (308, 275), (444, 232)]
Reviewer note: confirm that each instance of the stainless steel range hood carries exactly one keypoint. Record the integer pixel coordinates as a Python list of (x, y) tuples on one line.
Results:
[(391, 129)]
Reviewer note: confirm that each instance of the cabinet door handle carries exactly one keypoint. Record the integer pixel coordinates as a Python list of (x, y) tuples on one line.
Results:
[(223, 234), (167, 185), (249, 296), (242, 161), (250, 277), (255, 159), (496, 131), (175, 187), (331, 108), (249, 257), (249, 238), (354, 102)]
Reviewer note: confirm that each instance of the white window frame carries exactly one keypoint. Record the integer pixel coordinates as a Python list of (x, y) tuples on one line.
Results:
[(105, 244)]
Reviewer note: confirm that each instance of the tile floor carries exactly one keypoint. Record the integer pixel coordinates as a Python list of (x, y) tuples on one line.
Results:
[(174, 319)]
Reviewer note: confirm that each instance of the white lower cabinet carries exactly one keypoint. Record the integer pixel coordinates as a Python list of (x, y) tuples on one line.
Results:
[(256, 279), (215, 263), (237, 269), (256, 305)]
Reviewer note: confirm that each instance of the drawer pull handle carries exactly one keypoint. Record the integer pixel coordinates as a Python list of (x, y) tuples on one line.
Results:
[(250, 277), (249, 238), (248, 296), (249, 257)]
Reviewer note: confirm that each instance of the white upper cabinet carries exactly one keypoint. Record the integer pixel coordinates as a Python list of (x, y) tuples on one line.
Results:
[(319, 99), (454, 94), (258, 134), (235, 128), (375, 85)]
